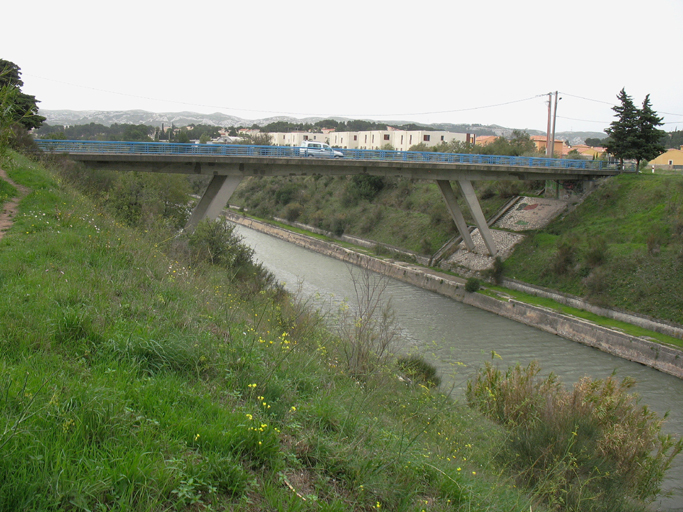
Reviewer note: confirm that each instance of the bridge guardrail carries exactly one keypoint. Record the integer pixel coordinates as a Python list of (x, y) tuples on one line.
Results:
[(164, 148)]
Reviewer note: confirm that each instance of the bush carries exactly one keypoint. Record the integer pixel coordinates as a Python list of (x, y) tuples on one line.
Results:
[(564, 257), (472, 285), (293, 211), (419, 371), (593, 448), (215, 242), (365, 186), (21, 140), (597, 254), (495, 273), (338, 224), (596, 284)]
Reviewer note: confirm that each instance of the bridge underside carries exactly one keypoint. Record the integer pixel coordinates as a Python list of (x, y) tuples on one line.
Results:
[(228, 172)]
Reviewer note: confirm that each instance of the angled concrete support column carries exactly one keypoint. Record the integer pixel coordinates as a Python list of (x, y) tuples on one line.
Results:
[(479, 219), (456, 213), (214, 199)]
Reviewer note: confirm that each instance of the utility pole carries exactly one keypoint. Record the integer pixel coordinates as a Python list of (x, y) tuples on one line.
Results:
[(552, 139), (548, 151)]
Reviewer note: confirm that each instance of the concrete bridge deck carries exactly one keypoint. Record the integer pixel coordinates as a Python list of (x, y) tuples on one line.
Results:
[(229, 164)]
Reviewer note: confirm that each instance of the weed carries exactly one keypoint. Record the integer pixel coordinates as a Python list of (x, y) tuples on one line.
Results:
[(368, 327)]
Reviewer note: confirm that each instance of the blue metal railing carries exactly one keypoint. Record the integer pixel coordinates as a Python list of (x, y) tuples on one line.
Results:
[(164, 148)]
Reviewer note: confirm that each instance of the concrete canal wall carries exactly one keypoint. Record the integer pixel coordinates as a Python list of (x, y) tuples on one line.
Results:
[(663, 358)]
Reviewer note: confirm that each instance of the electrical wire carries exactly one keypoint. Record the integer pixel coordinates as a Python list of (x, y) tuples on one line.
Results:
[(224, 107)]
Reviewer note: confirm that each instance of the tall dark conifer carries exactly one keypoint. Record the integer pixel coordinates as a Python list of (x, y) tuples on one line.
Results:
[(634, 134), (651, 138), (622, 140)]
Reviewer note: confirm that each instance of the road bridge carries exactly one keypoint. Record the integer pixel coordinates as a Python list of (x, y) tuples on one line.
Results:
[(228, 164)]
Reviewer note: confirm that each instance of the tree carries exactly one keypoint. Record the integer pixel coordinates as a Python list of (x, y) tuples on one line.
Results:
[(593, 142), (257, 139), (650, 137), (634, 134), (183, 136), (519, 144), (24, 107), (622, 134), (674, 139)]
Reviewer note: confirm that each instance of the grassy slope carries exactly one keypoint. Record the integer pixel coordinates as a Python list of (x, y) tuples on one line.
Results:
[(627, 237), (130, 382), (640, 220), (7, 191), (407, 214)]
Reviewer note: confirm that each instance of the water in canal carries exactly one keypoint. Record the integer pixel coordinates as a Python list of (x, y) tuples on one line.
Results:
[(458, 338)]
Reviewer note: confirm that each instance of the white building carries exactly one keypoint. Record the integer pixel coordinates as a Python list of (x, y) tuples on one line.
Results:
[(400, 140), (296, 138)]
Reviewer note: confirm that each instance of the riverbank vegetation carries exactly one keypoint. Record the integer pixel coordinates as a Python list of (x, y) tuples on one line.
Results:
[(592, 448), (146, 370), (622, 247), (137, 376), (143, 370), (404, 213)]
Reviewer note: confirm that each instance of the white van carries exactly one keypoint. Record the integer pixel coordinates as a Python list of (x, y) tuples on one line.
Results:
[(319, 149)]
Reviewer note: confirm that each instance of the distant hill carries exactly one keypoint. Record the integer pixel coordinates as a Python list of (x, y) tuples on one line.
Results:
[(179, 119)]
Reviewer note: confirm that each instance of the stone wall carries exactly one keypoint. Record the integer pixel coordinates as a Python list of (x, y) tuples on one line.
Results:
[(660, 357)]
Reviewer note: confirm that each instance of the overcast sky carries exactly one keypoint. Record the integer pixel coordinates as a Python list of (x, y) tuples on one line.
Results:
[(488, 62)]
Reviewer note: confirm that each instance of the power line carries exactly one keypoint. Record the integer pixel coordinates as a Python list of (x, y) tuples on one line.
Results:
[(612, 105), (224, 107)]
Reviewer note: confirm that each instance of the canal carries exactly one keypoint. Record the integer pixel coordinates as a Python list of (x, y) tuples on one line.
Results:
[(458, 338)]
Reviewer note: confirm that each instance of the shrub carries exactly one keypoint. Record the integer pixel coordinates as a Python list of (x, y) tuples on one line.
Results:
[(293, 211), (495, 273), (472, 285), (655, 240), (215, 242), (367, 328), (338, 224), (285, 194), (597, 253), (596, 283), (418, 370), (508, 188), (426, 245), (564, 257), (21, 140), (365, 186), (593, 448)]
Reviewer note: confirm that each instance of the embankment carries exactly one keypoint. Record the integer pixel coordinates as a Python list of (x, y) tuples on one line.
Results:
[(663, 358)]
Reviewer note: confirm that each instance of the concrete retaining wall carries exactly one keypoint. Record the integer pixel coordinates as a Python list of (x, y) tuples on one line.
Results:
[(663, 358), (667, 328)]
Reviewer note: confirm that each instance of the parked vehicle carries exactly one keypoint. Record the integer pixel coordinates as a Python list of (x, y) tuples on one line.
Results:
[(319, 150)]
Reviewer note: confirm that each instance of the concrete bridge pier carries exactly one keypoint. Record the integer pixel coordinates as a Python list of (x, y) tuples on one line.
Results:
[(470, 197), (213, 201)]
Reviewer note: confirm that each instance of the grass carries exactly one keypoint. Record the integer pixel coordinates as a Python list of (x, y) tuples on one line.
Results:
[(495, 291), (130, 380), (404, 213), (633, 330), (622, 247), (626, 243), (7, 191)]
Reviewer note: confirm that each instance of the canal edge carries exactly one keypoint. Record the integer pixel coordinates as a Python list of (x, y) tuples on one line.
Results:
[(660, 357)]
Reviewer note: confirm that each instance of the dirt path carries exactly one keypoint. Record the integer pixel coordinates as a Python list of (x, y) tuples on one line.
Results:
[(9, 209)]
